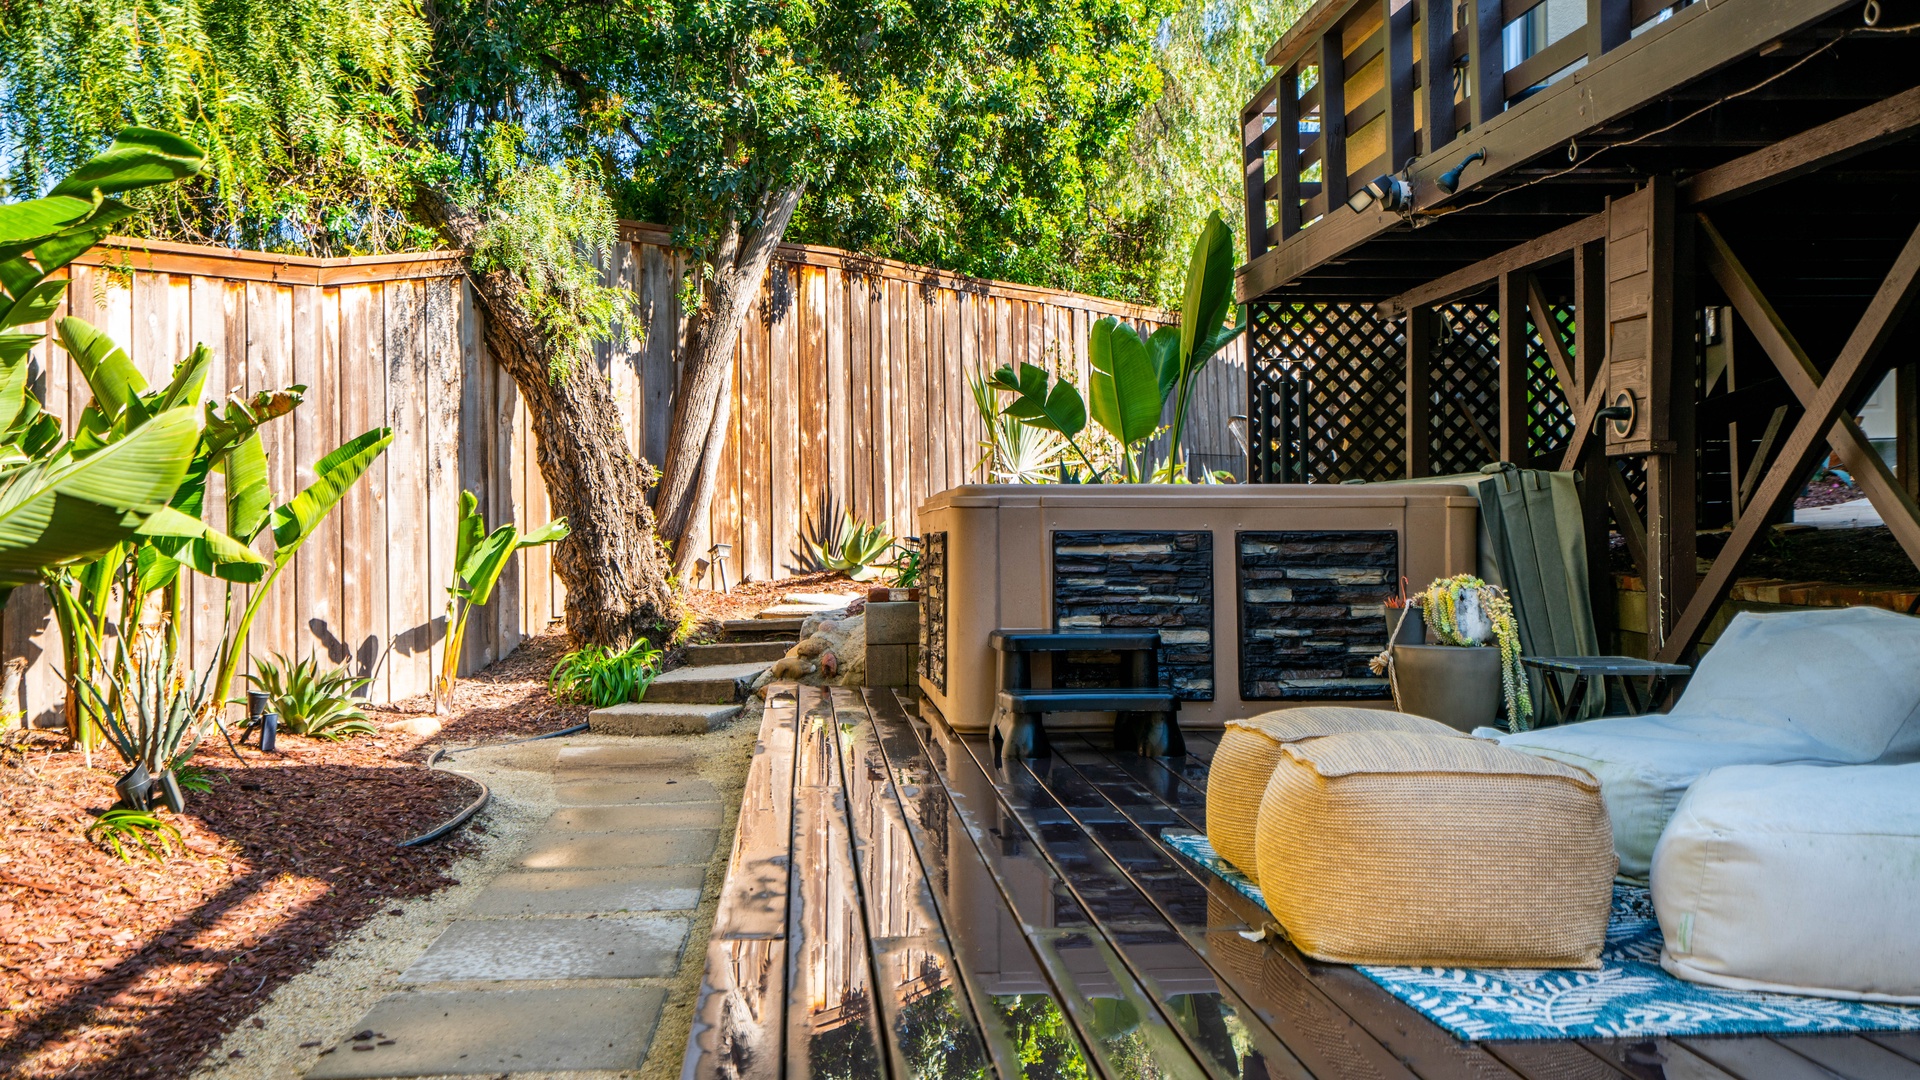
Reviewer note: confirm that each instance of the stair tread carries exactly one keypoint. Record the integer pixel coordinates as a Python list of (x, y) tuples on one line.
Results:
[(713, 672)]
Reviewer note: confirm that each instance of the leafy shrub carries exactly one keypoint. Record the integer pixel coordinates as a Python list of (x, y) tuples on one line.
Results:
[(317, 704), (600, 676), (123, 832)]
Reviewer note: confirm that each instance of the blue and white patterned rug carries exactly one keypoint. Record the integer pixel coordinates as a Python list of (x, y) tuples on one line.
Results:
[(1631, 995)]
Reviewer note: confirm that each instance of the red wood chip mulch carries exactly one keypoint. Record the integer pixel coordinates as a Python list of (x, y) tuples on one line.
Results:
[(112, 969)]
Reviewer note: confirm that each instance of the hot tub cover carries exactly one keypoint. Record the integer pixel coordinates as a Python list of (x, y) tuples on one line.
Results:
[(1839, 687), (1802, 879)]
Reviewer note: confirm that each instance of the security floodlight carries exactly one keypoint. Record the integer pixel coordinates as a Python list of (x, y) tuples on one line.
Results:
[(1391, 192)]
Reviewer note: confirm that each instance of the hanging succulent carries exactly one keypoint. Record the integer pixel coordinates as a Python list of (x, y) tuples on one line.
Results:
[(1464, 610)]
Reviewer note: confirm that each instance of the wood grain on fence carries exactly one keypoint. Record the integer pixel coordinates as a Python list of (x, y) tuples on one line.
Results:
[(849, 394)]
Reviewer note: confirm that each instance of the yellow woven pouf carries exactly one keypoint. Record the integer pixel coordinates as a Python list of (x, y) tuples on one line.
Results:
[(1249, 749), (1399, 848)]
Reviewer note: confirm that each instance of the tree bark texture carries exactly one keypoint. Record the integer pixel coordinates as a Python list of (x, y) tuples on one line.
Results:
[(700, 416), (612, 563)]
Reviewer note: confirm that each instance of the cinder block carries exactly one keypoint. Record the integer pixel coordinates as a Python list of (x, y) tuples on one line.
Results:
[(889, 665), (893, 624)]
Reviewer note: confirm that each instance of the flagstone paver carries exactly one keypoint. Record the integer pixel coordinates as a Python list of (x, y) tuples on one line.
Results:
[(562, 963)]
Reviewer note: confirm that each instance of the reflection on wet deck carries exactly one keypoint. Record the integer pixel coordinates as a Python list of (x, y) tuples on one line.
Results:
[(898, 905)]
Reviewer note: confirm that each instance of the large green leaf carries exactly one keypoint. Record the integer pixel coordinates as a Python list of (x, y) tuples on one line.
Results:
[(552, 532), (37, 306), (468, 532), (1059, 409), (485, 562), (186, 539), (1209, 288), (1123, 387), (294, 521), (13, 388), (76, 510), (25, 223), (248, 495), (138, 158), (110, 374)]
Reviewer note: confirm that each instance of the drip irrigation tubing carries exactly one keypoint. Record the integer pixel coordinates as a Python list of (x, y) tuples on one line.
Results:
[(486, 793)]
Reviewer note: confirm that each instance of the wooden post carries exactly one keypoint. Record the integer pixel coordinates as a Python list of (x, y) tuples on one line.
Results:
[(1589, 346), (1333, 120), (1486, 60), (1672, 572), (1287, 154), (1436, 71), (1609, 25), (1401, 144), (1419, 405), (1906, 411), (1253, 157), (1513, 369)]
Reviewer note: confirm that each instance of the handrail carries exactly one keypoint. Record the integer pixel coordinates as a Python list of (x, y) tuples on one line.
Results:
[(1396, 64)]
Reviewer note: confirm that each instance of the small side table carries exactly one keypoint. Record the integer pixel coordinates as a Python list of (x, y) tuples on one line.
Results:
[(1624, 671)]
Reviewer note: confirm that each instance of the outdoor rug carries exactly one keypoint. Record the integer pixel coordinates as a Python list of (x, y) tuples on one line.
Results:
[(1631, 995)]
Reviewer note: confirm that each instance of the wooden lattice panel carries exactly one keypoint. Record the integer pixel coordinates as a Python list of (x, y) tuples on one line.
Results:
[(1464, 389), (1327, 393), (1549, 415)]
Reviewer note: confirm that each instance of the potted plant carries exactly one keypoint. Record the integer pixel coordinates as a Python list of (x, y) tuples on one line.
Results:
[(1474, 663), (903, 577)]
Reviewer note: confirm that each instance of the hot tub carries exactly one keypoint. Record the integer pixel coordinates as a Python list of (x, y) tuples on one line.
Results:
[(1264, 595)]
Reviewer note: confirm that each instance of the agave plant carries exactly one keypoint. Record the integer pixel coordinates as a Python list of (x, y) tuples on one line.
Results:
[(309, 701), (123, 831), (152, 709), (854, 548)]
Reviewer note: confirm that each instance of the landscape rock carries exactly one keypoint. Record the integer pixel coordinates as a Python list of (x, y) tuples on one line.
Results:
[(832, 652)]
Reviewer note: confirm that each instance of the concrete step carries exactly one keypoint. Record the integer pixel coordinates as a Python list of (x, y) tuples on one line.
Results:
[(658, 718), (762, 629), (801, 611), (711, 684), (737, 652)]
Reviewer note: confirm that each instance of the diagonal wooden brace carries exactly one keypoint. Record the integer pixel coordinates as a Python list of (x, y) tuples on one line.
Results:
[(1803, 448), (1892, 501)]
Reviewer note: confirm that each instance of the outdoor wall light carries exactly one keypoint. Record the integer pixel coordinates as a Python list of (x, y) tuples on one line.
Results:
[(1450, 180), (1391, 192), (269, 729)]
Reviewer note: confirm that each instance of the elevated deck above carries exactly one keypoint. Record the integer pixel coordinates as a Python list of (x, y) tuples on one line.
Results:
[(1571, 102)]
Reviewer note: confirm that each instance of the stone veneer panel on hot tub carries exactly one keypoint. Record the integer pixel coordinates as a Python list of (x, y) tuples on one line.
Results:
[(933, 609), (1310, 613), (1123, 580)]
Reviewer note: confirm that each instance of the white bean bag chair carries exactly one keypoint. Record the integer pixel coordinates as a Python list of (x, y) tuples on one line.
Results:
[(1797, 878), (1833, 687)]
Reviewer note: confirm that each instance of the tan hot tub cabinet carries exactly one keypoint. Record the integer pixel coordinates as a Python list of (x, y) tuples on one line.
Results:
[(1305, 567)]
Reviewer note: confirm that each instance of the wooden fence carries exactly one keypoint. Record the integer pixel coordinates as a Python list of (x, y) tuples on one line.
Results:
[(850, 393)]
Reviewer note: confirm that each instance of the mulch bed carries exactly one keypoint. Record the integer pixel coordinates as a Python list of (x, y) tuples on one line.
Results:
[(113, 969), (1827, 492)]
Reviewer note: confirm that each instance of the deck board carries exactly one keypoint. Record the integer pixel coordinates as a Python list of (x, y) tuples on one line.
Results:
[(900, 905)]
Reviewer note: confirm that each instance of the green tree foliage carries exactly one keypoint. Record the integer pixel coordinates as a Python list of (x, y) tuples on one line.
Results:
[(1182, 156), (303, 106)]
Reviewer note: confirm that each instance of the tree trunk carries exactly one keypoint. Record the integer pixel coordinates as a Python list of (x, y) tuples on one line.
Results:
[(612, 564), (700, 422)]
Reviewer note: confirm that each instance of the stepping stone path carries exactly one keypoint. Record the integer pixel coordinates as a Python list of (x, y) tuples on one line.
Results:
[(562, 963)]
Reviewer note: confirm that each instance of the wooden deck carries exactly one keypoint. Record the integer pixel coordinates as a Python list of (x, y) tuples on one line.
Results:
[(897, 906)]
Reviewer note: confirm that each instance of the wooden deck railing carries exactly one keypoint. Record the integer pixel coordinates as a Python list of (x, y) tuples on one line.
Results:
[(1359, 83)]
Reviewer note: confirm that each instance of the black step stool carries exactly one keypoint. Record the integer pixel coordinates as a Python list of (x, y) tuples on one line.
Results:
[(1145, 714)]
